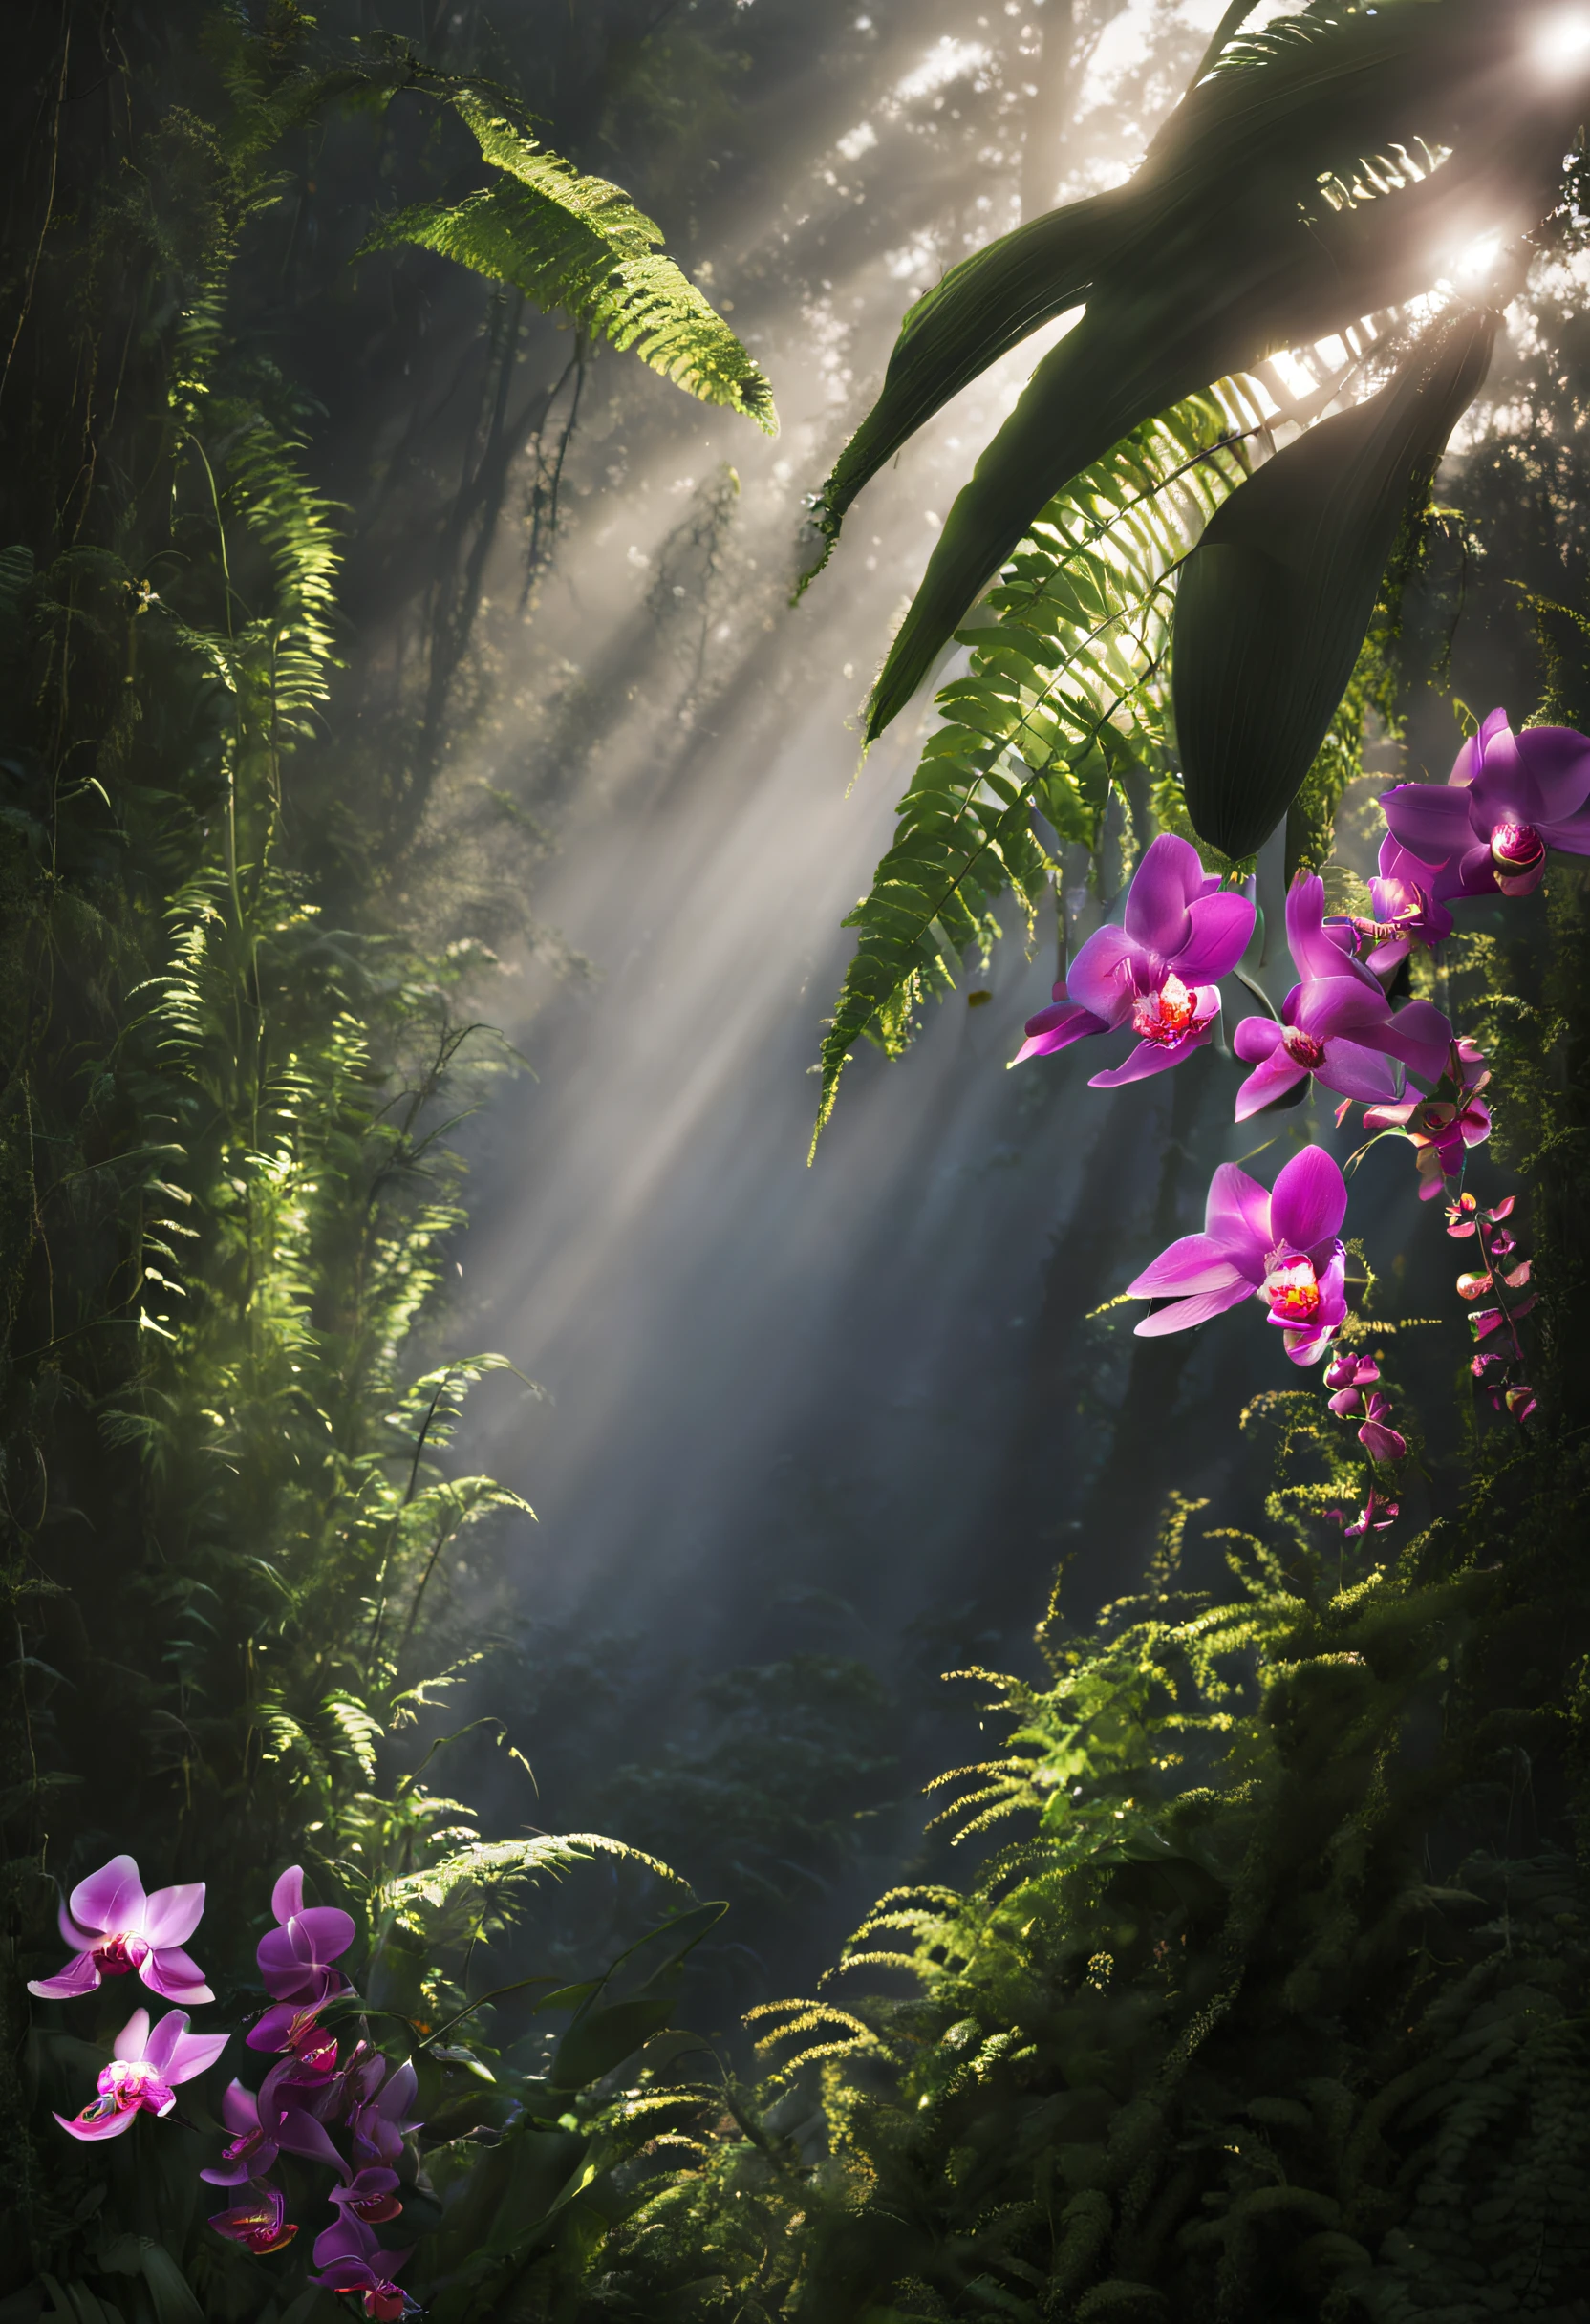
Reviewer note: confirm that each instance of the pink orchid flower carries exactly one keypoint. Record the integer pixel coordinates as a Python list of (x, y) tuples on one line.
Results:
[(144, 2074), (1508, 801), (1347, 1374), (114, 1929), (1180, 932), (351, 2259), (1374, 1516), (1283, 1248), (1380, 1442), (1336, 1025), (260, 2225)]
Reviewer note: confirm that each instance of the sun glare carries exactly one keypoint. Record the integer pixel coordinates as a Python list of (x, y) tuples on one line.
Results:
[(1472, 266), (1565, 41)]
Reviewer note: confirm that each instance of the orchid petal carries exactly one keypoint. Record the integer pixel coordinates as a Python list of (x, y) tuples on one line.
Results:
[(1266, 1083), (1236, 1214), (399, 2092), (171, 1915), (1184, 1315), (1570, 835), (1222, 928), (1354, 1071), (193, 2053), (129, 2045), (1430, 820), (298, 2133), (79, 1976), (1166, 882), (1196, 1262), (239, 2109), (110, 1900), (1421, 1035), (1316, 949), (1328, 1005), (109, 2127), (1100, 978), (1153, 1057), (1055, 1028), (175, 1975), (160, 2046), (1309, 1200), (287, 1898), (1559, 764), (1255, 1038)]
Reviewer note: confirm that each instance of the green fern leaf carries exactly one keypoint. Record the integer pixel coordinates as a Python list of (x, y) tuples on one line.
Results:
[(1062, 698), (578, 244)]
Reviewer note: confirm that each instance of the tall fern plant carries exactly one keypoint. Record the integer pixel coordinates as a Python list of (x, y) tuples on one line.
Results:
[(229, 1193)]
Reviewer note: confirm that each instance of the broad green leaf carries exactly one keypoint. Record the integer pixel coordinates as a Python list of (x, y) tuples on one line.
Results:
[(982, 308), (1326, 169), (1274, 603)]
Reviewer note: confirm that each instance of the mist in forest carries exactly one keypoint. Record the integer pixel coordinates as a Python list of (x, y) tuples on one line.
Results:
[(790, 1408)]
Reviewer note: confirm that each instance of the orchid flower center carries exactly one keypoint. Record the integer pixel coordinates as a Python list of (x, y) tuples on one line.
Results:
[(1385, 932), (1304, 1049), (247, 2145), (264, 2229), (1517, 847), (127, 2083), (1292, 1289), (1169, 1015), (118, 1956)]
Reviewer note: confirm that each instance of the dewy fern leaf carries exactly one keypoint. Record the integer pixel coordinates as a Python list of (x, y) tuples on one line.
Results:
[(1062, 700), (578, 244)]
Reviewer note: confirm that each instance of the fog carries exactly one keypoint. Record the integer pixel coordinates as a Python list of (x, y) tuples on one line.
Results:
[(785, 1404)]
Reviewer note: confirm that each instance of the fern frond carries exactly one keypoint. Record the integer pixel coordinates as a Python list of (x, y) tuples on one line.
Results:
[(578, 245), (1062, 702)]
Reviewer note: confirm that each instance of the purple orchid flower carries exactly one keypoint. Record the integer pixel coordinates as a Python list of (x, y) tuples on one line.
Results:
[(370, 2195), (1509, 800), (378, 2122), (351, 2259), (114, 1929), (144, 2074), (1283, 1247), (251, 2151), (1348, 1373), (295, 1957), (1381, 1442), (1374, 1516), (260, 2225), (1181, 932), (1441, 1131), (1408, 900), (1337, 1024)]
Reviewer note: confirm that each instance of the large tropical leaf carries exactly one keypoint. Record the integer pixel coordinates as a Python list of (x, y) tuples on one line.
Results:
[(578, 245), (1295, 189), (1061, 699), (1273, 604), (982, 308)]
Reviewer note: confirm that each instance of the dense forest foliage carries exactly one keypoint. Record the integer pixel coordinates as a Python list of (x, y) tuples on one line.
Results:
[(1244, 1975)]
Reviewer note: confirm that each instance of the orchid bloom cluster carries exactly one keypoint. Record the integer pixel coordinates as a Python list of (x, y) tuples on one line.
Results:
[(308, 2101), (1500, 1374), (1510, 802), (1349, 1376), (116, 1931)]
